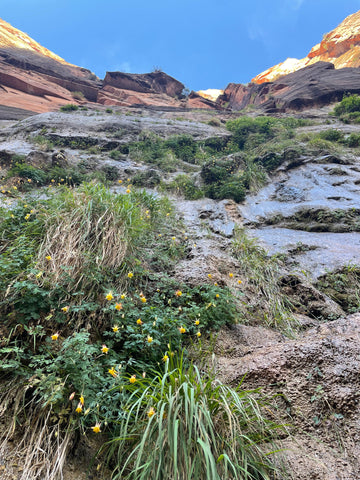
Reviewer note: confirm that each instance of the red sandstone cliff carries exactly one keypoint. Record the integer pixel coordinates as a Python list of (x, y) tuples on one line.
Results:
[(33, 78), (341, 47)]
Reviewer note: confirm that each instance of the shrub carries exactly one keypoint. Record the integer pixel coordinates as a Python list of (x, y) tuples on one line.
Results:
[(242, 127), (24, 170), (184, 185), (70, 107), (183, 146), (353, 140), (78, 96), (115, 154), (331, 135), (350, 103)]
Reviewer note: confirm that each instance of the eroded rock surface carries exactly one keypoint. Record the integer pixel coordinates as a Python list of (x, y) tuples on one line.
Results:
[(316, 376), (341, 47), (314, 85)]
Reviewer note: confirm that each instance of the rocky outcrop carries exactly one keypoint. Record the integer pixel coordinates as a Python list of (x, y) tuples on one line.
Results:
[(341, 47), (316, 85), (315, 378), (33, 78), (154, 82)]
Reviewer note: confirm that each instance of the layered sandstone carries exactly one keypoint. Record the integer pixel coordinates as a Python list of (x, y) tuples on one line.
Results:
[(341, 47), (313, 86), (33, 78)]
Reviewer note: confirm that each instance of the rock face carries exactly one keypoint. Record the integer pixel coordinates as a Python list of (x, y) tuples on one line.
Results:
[(315, 374), (315, 85), (341, 47), (36, 80)]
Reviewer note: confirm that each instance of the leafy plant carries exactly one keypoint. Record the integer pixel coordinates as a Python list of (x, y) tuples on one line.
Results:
[(182, 424)]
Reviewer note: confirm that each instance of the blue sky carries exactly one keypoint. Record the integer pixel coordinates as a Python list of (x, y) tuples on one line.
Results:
[(202, 43)]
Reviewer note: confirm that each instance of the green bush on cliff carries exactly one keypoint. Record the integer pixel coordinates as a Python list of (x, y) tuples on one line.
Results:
[(349, 104)]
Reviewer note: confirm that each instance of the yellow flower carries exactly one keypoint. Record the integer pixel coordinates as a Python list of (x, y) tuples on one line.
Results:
[(165, 357), (209, 275), (15, 188), (182, 329), (132, 379), (239, 282), (104, 349), (231, 275), (178, 293), (149, 339), (109, 296), (112, 372), (48, 258), (197, 322), (128, 190), (96, 428), (151, 412), (143, 299), (39, 274), (173, 238), (130, 274), (198, 334), (139, 321), (55, 336), (82, 400), (120, 181), (79, 408), (27, 216), (118, 306), (122, 296), (29, 180), (215, 284), (65, 309), (115, 328), (217, 295), (52, 180)]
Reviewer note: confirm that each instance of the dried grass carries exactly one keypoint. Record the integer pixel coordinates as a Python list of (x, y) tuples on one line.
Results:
[(84, 237), (43, 448)]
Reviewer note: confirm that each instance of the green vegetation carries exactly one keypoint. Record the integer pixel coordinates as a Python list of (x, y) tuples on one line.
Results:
[(348, 110), (78, 96), (262, 272), (184, 185), (343, 286), (184, 425), (69, 107), (83, 315), (31, 176)]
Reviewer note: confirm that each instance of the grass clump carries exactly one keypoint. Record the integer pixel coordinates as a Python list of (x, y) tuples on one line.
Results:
[(272, 307), (183, 425), (184, 185)]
